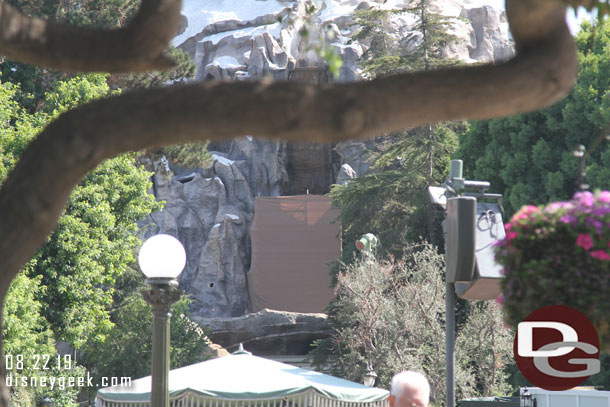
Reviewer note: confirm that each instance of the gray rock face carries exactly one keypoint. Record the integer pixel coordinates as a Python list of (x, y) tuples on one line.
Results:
[(490, 34), (210, 210), (263, 163), (356, 154), (261, 37), (268, 332)]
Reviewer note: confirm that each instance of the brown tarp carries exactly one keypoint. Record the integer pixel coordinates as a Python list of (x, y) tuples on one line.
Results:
[(293, 241)]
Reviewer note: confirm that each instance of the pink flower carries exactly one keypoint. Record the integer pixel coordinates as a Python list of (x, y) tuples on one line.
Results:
[(585, 241), (500, 299), (584, 198), (603, 196), (524, 212), (600, 254), (510, 235)]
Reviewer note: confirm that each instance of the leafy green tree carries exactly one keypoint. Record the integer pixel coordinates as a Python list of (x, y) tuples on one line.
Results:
[(529, 157), (36, 81), (389, 316), (97, 13), (25, 330), (29, 345), (384, 55), (30, 390), (94, 240), (91, 248), (17, 127), (66, 291), (430, 51)]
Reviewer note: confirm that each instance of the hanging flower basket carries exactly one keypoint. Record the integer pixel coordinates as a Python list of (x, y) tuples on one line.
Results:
[(559, 254)]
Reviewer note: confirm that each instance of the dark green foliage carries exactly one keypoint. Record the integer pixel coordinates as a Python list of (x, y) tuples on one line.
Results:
[(183, 69), (126, 349), (529, 157), (429, 52), (36, 81), (602, 379), (96, 13), (65, 291), (188, 155), (376, 204), (94, 239), (384, 55), (91, 247), (393, 202)]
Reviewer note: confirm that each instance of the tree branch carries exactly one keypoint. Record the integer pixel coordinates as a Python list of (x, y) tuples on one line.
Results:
[(38, 188), (137, 47)]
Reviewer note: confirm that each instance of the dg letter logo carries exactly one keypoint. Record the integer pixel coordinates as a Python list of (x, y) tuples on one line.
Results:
[(557, 348)]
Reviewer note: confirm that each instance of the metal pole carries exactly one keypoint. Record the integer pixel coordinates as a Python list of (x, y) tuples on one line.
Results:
[(455, 172), (450, 344), (160, 297)]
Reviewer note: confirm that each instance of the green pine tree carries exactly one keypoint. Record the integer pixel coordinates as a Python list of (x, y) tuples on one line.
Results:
[(392, 202)]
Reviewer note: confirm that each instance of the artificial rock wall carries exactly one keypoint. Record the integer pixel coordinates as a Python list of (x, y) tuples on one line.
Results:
[(211, 209)]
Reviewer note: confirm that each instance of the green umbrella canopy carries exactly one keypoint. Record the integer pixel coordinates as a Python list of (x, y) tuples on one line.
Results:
[(243, 376)]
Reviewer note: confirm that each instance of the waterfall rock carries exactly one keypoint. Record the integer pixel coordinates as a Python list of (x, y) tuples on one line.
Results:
[(346, 173), (211, 209), (210, 213), (262, 37)]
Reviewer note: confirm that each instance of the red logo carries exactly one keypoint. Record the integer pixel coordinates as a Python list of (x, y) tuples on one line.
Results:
[(556, 348)]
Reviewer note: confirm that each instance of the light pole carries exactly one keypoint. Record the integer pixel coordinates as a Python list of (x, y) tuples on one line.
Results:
[(468, 251), (369, 377), (527, 400), (161, 259)]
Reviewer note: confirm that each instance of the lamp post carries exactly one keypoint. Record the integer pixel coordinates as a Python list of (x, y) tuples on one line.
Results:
[(161, 259), (468, 260), (369, 377), (527, 400)]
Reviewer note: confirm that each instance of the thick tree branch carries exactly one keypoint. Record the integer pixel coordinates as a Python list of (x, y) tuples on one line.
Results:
[(36, 191), (137, 47), (33, 196)]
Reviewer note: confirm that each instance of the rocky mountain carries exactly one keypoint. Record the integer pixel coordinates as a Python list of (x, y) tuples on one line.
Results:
[(211, 209), (242, 39)]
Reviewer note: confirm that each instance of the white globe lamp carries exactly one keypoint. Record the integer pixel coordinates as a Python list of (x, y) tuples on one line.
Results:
[(162, 258)]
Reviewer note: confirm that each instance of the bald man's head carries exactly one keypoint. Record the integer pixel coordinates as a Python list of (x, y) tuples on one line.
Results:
[(409, 389)]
